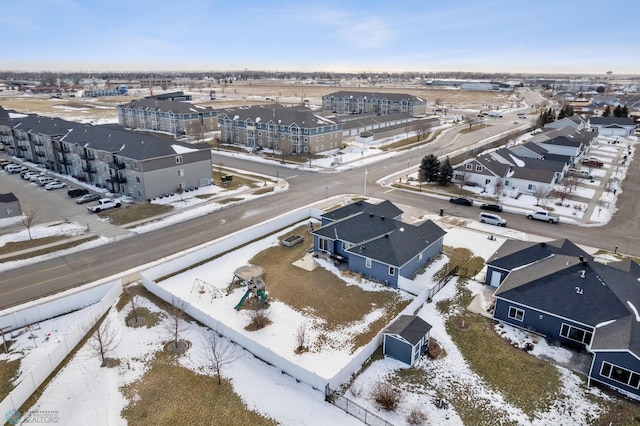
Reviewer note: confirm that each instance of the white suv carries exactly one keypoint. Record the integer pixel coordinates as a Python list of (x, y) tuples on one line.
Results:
[(492, 219)]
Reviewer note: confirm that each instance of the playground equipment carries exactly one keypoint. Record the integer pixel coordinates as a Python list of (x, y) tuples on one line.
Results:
[(203, 287), (251, 277), (256, 288)]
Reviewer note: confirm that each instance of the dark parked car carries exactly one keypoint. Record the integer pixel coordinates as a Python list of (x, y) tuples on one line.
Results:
[(77, 192), (462, 201), (491, 207), (87, 198)]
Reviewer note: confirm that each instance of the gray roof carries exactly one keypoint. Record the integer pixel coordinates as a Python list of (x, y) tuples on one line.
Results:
[(104, 138), (370, 95), (566, 131), (535, 148), (280, 115), (398, 246), (606, 121), (565, 287), (160, 105), (385, 208), (380, 237), (514, 254), (410, 327), (8, 198)]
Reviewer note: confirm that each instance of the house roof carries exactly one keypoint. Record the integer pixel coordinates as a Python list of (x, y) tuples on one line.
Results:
[(566, 287), (607, 121), (380, 237), (8, 198), (514, 254), (399, 245), (566, 131), (535, 148), (385, 208), (410, 327)]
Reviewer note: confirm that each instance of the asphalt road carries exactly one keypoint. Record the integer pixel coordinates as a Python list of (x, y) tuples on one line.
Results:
[(33, 281)]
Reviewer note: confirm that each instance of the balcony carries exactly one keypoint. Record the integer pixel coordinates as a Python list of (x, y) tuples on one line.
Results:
[(117, 179), (117, 166), (87, 169), (65, 161), (23, 148), (40, 154)]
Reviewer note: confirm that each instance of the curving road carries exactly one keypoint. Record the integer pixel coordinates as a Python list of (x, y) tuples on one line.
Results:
[(34, 281)]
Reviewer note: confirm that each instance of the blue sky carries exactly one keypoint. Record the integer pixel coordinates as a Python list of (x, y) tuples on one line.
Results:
[(568, 36)]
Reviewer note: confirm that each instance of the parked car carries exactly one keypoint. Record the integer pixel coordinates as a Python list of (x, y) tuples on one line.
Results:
[(544, 216), (87, 198), (27, 175), (43, 180), (491, 219), (15, 168), (492, 207), (77, 192), (462, 201), (56, 184), (104, 204), (33, 178), (592, 162), (582, 174)]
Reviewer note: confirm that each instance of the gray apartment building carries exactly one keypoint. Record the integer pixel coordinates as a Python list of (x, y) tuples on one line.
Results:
[(124, 162), (168, 116), (292, 130), (348, 102)]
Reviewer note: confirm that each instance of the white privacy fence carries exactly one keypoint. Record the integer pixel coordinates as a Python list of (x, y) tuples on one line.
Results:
[(222, 245), (102, 298)]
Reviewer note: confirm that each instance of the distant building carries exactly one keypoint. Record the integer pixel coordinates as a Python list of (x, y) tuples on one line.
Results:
[(167, 116), (124, 162), (347, 102), (172, 96), (292, 130)]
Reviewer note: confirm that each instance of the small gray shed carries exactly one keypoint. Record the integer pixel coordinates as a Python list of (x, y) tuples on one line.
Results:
[(406, 339), (9, 206)]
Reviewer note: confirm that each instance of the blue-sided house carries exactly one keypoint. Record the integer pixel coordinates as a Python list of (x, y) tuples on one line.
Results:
[(406, 339), (375, 243), (580, 303)]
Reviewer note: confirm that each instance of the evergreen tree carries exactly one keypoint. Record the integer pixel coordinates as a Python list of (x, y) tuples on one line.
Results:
[(607, 112), (446, 172), (625, 112), (562, 114), (617, 111), (429, 168)]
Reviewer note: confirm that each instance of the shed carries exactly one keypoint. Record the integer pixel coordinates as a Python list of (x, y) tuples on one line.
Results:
[(9, 206), (406, 339)]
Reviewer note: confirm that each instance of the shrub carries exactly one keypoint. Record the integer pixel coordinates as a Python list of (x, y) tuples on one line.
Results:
[(416, 417), (260, 318), (386, 396)]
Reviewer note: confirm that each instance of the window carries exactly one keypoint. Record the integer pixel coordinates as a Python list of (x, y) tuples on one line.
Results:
[(346, 245), (575, 334), (531, 187), (138, 179), (507, 183), (468, 167), (478, 168), (323, 244), (620, 374), (392, 270), (516, 314), (180, 172), (368, 263), (179, 159)]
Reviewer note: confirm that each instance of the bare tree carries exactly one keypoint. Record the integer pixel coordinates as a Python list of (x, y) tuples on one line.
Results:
[(218, 351), (470, 120), (498, 186), (174, 324), (542, 196), (421, 128), (301, 339), (104, 340), (29, 216)]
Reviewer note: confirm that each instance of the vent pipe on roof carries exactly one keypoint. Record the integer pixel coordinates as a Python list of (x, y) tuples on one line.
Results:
[(382, 217)]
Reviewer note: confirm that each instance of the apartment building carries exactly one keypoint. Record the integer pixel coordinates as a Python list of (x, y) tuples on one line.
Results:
[(348, 102)]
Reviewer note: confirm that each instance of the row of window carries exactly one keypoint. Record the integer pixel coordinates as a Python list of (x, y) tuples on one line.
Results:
[(566, 330), (620, 375), (293, 128)]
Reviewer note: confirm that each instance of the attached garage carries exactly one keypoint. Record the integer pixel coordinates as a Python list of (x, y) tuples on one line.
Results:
[(406, 339)]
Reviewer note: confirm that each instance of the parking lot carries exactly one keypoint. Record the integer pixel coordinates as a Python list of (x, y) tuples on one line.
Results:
[(52, 206)]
